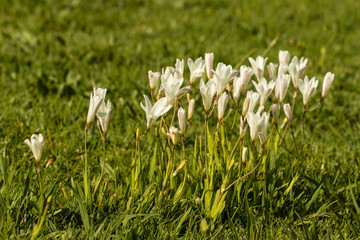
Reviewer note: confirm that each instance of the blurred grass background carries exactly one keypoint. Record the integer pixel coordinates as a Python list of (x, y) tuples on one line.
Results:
[(53, 52)]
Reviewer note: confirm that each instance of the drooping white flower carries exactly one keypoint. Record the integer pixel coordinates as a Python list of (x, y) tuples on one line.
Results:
[(284, 57), (287, 110), (36, 145), (96, 99), (154, 112), (264, 89), (223, 100), (104, 114), (182, 120), (307, 88), (209, 61), (240, 83), (207, 92), (258, 66), (174, 135), (263, 128), (253, 100), (272, 71), (153, 78), (328, 79), (296, 69), (281, 86), (223, 75), (191, 109), (171, 86), (196, 69), (255, 122)]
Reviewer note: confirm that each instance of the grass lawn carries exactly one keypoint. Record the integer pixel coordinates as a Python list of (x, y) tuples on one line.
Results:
[(52, 54)]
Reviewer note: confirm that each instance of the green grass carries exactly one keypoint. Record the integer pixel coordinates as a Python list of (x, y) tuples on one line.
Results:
[(53, 52)]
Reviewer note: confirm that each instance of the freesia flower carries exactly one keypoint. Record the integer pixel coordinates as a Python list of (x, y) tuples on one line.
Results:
[(196, 69), (258, 66), (307, 88), (264, 89), (255, 122), (153, 78), (223, 75), (207, 92), (104, 114), (223, 100), (96, 99), (36, 145), (171, 85), (209, 59), (263, 128), (296, 69), (174, 135), (182, 120), (154, 112), (240, 83), (328, 79)]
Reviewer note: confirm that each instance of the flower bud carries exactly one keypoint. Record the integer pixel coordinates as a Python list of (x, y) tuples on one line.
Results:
[(182, 120), (243, 127), (244, 154), (284, 57), (191, 109), (260, 109), (174, 135), (328, 79), (287, 110), (222, 105), (209, 59), (153, 78), (275, 111), (245, 107), (272, 71)]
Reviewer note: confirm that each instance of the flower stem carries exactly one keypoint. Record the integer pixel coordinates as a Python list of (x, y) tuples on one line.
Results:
[(86, 188)]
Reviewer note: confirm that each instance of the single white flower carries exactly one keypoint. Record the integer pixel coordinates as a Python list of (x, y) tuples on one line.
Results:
[(191, 109), (255, 122), (153, 78), (223, 100), (253, 100), (174, 135), (284, 57), (209, 61), (36, 145), (171, 86), (207, 92), (196, 69), (287, 110), (307, 88), (272, 70), (179, 69), (154, 112), (240, 83), (104, 114), (182, 120), (264, 89), (263, 128), (296, 69), (281, 86), (258, 66), (328, 79), (96, 99), (223, 75)]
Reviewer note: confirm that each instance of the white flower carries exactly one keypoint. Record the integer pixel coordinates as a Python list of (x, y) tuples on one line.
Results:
[(104, 114), (284, 57), (223, 75), (207, 92), (296, 69), (263, 127), (196, 69), (258, 66), (182, 120), (191, 109), (328, 79), (255, 122), (154, 112), (253, 100), (179, 69), (209, 59), (282, 85), (96, 99), (240, 83), (223, 100), (275, 111), (307, 88), (171, 85), (153, 78), (287, 110), (174, 135), (36, 145), (264, 89), (272, 71)]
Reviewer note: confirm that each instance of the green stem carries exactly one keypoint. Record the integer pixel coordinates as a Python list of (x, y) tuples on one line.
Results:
[(206, 135), (42, 200), (86, 188)]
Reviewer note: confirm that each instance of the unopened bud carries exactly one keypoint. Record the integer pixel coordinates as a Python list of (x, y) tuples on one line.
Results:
[(182, 120), (244, 154), (287, 110), (245, 107), (209, 59), (328, 79), (275, 111), (191, 109)]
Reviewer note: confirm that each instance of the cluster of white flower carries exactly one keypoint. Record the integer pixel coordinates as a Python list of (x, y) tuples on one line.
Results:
[(216, 90)]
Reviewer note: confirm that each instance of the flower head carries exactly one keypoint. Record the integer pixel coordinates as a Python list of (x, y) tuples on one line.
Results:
[(154, 112), (263, 127), (223, 75), (255, 122), (36, 145), (328, 79), (182, 120), (281, 86), (296, 69), (264, 89), (104, 114), (253, 99), (191, 109), (96, 99), (171, 85), (174, 135), (307, 88), (272, 71), (240, 83), (287, 110), (284, 57), (207, 92), (223, 100), (196, 69), (209, 61), (258, 66), (153, 78)]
